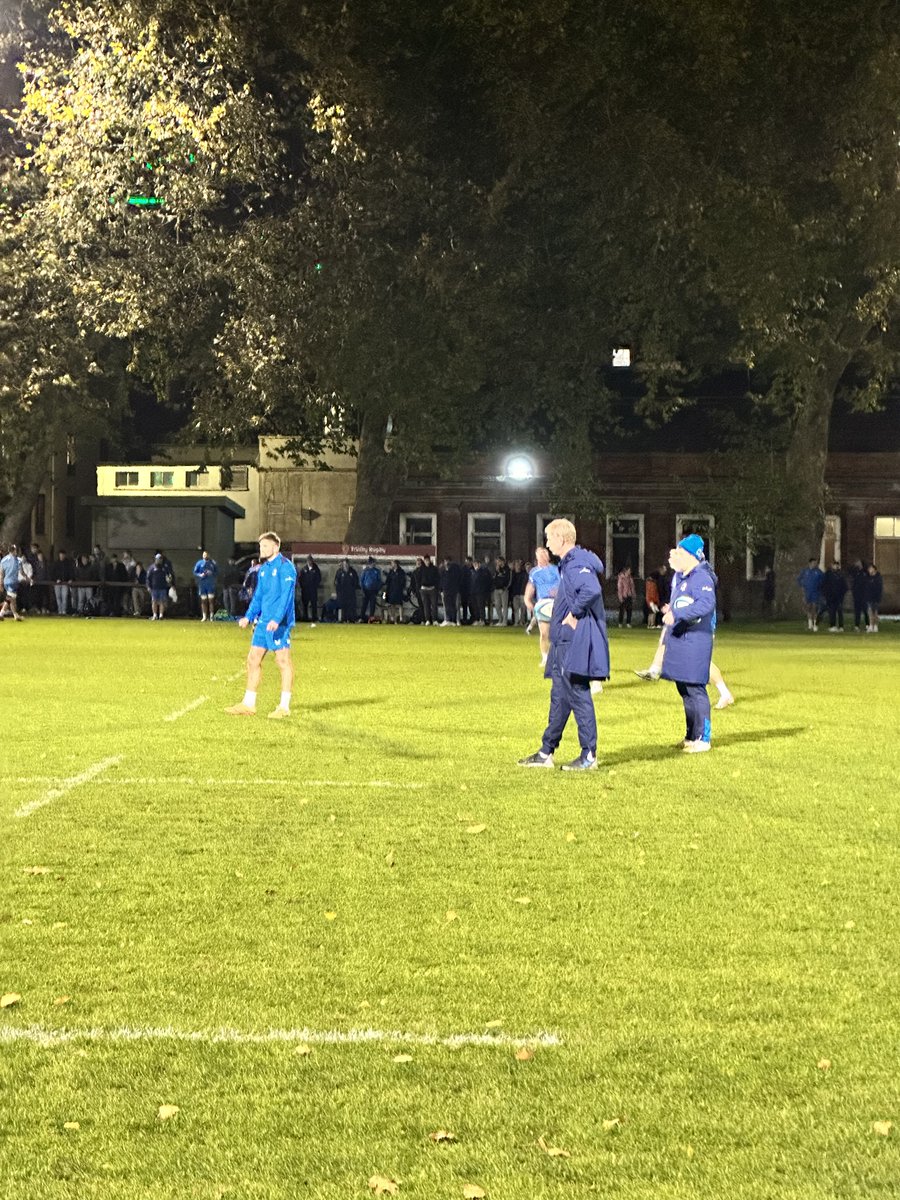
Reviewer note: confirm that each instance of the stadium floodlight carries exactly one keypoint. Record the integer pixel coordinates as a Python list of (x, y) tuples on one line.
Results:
[(518, 469)]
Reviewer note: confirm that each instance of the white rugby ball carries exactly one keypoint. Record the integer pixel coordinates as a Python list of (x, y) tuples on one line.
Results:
[(543, 610)]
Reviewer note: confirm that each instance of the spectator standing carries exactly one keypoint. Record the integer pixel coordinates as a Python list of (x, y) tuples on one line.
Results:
[(98, 565), (83, 572), (395, 593), (500, 589), (158, 585), (346, 584), (651, 600), (206, 573), (481, 592), (26, 575), (834, 589), (41, 583), (625, 593), (116, 576), (690, 622), (9, 576), (62, 575), (810, 580), (370, 582), (518, 582), (874, 592), (450, 580), (664, 585), (138, 589), (768, 596), (466, 583), (232, 578), (859, 587), (248, 587), (310, 579), (429, 581)]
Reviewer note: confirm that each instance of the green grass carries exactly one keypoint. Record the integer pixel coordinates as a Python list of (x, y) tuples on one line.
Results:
[(701, 931)]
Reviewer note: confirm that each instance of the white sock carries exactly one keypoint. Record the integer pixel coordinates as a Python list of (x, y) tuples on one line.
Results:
[(249, 700), (543, 660), (285, 701), (724, 693)]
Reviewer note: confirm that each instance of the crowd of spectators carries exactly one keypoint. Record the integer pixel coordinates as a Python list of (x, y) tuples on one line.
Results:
[(826, 592)]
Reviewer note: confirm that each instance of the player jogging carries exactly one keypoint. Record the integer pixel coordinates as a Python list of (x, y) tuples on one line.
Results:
[(272, 610), (543, 582)]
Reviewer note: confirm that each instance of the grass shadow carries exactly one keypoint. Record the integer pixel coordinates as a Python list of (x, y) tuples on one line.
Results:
[(645, 753)]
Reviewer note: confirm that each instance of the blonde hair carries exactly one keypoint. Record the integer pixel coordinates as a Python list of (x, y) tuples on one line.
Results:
[(270, 537), (563, 527)]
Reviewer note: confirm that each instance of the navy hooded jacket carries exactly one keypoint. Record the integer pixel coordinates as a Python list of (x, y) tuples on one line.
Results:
[(689, 641), (584, 650)]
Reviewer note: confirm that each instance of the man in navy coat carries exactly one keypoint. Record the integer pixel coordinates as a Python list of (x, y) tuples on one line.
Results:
[(690, 622), (579, 649)]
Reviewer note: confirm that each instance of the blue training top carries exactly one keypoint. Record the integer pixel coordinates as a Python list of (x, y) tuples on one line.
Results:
[(273, 598), (545, 581), (9, 568)]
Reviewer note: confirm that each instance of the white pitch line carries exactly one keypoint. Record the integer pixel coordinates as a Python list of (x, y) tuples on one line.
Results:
[(174, 716), (67, 785), (316, 1037), (195, 781)]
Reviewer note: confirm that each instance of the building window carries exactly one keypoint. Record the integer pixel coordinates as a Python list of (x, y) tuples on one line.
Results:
[(234, 479), (760, 558), (702, 523), (625, 544), (70, 454), (487, 535), (126, 478), (418, 529), (543, 520), (887, 527), (621, 356), (70, 517), (831, 542), (193, 479), (162, 479), (40, 515)]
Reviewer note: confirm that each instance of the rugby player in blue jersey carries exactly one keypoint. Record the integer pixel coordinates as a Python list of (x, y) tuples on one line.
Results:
[(543, 583), (272, 613)]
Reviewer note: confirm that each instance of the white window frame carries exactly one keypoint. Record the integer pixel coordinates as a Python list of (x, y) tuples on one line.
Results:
[(885, 537), (543, 519), (470, 529), (839, 532), (418, 516), (639, 517), (750, 577), (126, 471), (681, 518), (162, 471)]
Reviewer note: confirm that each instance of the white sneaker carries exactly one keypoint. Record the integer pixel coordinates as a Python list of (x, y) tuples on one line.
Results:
[(697, 747), (832, 629), (725, 700), (446, 624)]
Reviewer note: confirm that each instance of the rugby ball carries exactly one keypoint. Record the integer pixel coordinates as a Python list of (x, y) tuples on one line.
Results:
[(543, 610)]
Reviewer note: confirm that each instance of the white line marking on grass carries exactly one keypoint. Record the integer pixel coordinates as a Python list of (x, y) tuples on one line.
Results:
[(182, 712), (317, 1037), (67, 785), (194, 781)]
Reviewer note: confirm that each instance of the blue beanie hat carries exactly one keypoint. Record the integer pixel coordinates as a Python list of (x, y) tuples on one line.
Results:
[(693, 543)]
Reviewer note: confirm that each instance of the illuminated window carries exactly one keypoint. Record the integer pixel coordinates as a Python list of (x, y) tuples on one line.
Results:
[(162, 479), (621, 357), (830, 550), (487, 535), (418, 529), (887, 527)]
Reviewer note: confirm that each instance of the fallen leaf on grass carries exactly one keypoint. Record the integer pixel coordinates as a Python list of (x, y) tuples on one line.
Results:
[(493, 1025), (59, 925), (382, 1185), (553, 1151), (883, 1128), (166, 1111), (401, 1058), (522, 900), (303, 1049), (27, 921), (850, 925), (613, 1123), (71, 1125), (389, 858), (476, 828), (451, 915), (35, 870), (330, 916), (62, 1000), (472, 1191), (9, 999), (524, 1054), (570, 837), (442, 1135), (824, 1064)]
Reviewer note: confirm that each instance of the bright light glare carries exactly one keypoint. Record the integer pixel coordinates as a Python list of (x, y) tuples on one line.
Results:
[(621, 357), (519, 468)]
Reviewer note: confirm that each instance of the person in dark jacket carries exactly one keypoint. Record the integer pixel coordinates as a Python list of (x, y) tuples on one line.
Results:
[(579, 649), (834, 589), (768, 595), (62, 574), (370, 582), (874, 592), (115, 575), (232, 578), (500, 590), (466, 582), (663, 584), (429, 581), (395, 593), (690, 622), (481, 592), (310, 580), (518, 582), (346, 584), (859, 586), (158, 586), (450, 577)]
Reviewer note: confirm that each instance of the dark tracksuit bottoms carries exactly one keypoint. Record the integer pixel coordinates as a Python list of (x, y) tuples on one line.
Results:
[(571, 694), (696, 710)]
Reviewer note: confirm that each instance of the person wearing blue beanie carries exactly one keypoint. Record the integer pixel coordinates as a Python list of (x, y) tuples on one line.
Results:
[(689, 626)]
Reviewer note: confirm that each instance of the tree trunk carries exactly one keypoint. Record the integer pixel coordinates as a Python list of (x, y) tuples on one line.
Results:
[(15, 525), (804, 465), (379, 475)]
